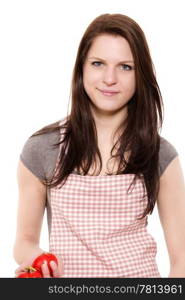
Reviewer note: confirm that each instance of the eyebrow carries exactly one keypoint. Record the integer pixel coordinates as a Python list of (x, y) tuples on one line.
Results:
[(121, 62)]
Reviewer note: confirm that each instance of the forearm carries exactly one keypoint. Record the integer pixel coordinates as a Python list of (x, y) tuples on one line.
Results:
[(24, 250)]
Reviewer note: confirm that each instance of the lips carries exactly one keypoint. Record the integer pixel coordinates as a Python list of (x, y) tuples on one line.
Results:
[(109, 92)]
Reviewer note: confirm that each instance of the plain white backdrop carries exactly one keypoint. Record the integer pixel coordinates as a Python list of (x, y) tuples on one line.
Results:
[(38, 45)]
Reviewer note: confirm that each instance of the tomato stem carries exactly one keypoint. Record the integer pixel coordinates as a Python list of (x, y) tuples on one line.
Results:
[(30, 269)]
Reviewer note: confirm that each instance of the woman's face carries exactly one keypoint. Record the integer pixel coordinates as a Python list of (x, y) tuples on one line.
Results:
[(108, 74)]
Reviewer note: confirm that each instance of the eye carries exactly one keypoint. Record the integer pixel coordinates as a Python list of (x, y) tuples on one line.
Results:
[(127, 67), (96, 63)]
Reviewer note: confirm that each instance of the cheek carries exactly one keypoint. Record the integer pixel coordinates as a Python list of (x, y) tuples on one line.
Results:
[(129, 84), (90, 77)]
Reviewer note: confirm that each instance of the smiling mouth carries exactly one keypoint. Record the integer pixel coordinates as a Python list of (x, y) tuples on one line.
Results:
[(107, 93)]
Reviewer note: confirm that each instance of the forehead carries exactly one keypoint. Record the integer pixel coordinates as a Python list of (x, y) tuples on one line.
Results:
[(110, 47)]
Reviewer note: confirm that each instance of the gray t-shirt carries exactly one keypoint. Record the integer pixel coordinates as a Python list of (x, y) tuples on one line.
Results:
[(39, 156)]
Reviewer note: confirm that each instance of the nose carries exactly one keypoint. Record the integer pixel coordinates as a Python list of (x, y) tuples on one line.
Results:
[(109, 76)]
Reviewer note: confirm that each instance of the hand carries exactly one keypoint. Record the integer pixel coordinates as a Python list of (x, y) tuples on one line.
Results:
[(57, 271), (21, 268)]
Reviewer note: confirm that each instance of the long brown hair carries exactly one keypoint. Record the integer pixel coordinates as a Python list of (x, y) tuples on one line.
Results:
[(141, 127)]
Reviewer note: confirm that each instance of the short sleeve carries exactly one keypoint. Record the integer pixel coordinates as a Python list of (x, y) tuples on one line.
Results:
[(39, 155), (167, 153)]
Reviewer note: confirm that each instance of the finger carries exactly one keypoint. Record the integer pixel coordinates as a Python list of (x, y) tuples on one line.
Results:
[(19, 270), (22, 267), (55, 270), (45, 270)]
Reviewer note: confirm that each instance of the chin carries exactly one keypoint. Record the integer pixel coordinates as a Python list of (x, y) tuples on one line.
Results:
[(106, 111)]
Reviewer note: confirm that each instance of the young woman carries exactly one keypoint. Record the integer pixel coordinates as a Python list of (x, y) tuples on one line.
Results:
[(100, 170)]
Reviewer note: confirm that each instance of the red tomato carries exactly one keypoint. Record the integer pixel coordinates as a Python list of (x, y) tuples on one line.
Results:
[(44, 257), (30, 273)]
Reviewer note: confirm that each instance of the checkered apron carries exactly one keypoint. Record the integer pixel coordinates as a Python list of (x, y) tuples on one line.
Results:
[(93, 227)]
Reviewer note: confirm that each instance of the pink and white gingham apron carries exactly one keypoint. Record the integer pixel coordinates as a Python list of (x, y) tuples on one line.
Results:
[(93, 227)]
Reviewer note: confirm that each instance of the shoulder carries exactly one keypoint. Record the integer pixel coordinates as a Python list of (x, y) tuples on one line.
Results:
[(167, 152), (39, 153)]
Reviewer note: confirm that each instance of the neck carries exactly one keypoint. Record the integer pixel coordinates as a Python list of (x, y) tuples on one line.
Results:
[(107, 124)]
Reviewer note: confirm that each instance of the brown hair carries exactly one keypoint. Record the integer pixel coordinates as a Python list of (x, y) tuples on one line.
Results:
[(144, 118)]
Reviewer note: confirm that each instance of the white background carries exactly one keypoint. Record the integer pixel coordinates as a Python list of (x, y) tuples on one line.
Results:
[(38, 45)]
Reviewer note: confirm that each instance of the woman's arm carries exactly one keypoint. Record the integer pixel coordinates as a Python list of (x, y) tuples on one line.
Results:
[(171, 208), (31, 206)]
